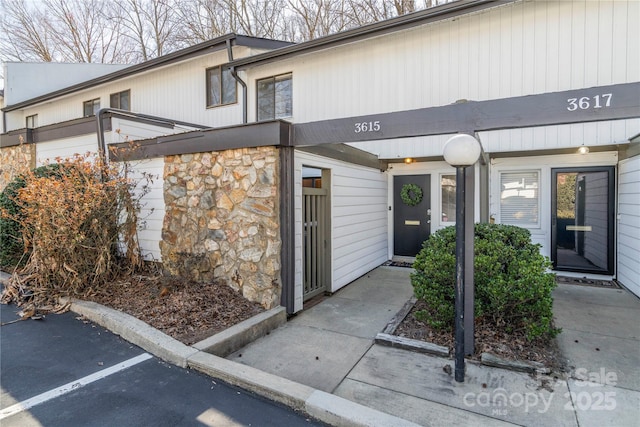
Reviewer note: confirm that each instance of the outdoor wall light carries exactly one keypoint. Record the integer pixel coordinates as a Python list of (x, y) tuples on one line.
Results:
[(461, 151), (408, 160), (583, 149)]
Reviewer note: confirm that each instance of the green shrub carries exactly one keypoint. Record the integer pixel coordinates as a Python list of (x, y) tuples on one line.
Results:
[(13, 251), (513, 284)]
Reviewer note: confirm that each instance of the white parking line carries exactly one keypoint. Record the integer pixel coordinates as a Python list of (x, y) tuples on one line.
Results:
[(52, 394)]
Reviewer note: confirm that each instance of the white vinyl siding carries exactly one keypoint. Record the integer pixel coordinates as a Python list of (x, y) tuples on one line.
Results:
[(125, 130), (182, 97), (629, 224), (359, 220), (46, 152), (560, 136), (514, 49), (152, 207)]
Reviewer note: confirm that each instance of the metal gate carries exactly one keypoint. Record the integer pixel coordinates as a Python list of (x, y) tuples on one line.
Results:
[(314, 212)]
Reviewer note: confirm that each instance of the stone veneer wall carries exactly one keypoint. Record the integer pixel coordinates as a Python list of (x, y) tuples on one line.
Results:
[(14, 161), (222, 220)]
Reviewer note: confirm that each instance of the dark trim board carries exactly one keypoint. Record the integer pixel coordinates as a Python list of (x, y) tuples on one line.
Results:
[(615, 102), (273, 133), (287, 231), (68, 129), (348, 154)]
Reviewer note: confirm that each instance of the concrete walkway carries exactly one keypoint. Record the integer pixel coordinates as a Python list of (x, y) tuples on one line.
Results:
[(330, 347), (324, 362)]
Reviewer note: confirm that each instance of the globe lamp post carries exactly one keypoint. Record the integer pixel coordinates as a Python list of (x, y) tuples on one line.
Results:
[(460, 151)]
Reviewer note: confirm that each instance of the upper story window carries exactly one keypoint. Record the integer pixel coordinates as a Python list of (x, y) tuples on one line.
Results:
[(91, 108), (221, 87), (519, 198), (275, 97), (32, 121), (121, 100)]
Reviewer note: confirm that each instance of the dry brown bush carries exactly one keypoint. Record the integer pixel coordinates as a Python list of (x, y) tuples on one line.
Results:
[(80, 227)]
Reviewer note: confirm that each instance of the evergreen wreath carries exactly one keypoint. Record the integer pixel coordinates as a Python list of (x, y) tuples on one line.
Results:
[(411, 194)]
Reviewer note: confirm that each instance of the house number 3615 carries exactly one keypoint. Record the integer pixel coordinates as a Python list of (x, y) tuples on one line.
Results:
[(367, 126), (587, 102)]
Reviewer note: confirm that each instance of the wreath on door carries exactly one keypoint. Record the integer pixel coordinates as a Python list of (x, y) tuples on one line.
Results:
[(411, 194)]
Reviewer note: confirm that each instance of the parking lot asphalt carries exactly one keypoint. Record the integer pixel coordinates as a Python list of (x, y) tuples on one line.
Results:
[(64, 370)]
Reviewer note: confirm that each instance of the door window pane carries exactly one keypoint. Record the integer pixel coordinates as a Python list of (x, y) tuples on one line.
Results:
[(448, 192)]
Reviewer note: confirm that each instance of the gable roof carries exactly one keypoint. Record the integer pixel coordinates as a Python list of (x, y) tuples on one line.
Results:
[(213, 45)]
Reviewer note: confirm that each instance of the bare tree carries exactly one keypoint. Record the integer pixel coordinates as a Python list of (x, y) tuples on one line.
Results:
[(149, 24), (258, 18), (23, 33), (318, 18), (404, 6), (138, 30), (203, 20), (81, 31)]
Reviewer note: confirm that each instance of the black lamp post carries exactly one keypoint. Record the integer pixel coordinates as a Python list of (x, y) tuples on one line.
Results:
[(460, 151)]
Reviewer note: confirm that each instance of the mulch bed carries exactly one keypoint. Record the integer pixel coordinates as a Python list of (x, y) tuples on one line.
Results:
[(487, 339), (185, 310)]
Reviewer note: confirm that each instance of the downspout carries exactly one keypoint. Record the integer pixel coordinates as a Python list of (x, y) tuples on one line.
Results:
[(239, 80), (102, 145)]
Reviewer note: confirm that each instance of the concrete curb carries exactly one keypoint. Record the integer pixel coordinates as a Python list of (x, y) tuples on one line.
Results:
[(238, 336), (489, 359), (412, 345), (338, 411), (322, 406), (135, 331)]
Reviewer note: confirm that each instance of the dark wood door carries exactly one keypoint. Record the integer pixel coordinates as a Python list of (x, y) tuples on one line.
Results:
[(411, 224)]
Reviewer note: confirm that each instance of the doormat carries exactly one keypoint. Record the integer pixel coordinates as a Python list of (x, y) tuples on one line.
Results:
[(583, 281), (398, 264)]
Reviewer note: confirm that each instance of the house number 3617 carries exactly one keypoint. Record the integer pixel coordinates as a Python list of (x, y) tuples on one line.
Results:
[(367, 126), (587, 102)]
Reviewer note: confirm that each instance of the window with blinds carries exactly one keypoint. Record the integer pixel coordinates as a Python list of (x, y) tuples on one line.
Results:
[(520, 198)]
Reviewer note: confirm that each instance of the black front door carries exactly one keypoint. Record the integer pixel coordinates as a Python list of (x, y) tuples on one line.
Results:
[(582, 219), (412, 220)]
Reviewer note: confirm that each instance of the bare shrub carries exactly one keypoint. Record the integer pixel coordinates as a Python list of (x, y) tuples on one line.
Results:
[(80, 228)]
